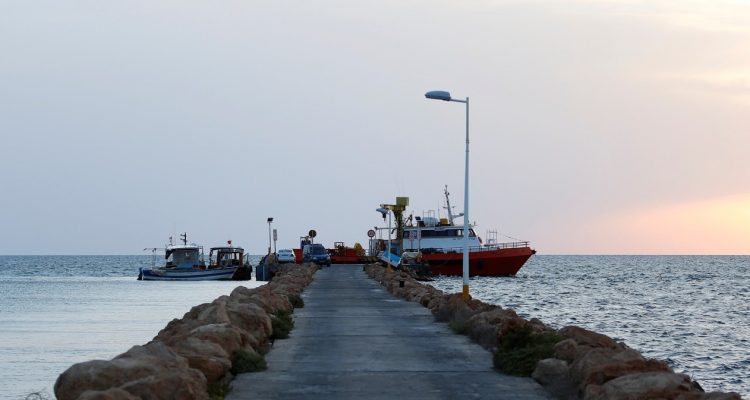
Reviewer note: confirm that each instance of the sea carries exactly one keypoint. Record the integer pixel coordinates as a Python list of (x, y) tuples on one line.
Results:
[(691, 311), (56, 311)]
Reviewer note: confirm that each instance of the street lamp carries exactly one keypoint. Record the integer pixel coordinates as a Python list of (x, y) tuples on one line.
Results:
[(269, 220), (446, 96), (384, 211)]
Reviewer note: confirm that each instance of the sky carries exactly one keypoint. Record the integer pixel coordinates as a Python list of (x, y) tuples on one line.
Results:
[(596, 127)]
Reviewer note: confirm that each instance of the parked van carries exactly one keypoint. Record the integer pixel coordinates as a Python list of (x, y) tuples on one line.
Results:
[(316, 253)]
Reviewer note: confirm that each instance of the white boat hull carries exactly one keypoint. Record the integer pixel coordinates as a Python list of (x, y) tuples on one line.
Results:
[(187, 274)]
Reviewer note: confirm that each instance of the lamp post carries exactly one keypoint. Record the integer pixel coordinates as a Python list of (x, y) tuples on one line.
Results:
[(384, 211), (446, 96), (269, 220)]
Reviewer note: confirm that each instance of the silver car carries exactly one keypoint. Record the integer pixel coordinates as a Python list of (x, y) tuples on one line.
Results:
[(285, 256)]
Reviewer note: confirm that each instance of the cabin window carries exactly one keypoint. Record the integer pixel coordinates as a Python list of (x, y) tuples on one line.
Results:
[(441, 233), (460, 233)]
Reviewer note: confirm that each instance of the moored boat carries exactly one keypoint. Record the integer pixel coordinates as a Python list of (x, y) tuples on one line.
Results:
[(502, 259), (185, 262), (439, 242), (228, 257)]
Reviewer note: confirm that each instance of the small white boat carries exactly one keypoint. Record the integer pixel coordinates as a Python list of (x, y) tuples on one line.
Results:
[(185, 262)]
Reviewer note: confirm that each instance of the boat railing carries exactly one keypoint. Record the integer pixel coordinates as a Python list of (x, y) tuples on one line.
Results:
[(488, 247)]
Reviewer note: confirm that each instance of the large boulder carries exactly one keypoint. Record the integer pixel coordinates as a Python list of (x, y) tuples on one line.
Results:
[(459, 310), (291, 286), (536, 325), (174, 384), (229, 337), (436, 303), (109, 394), (429, 294), (204, 314), (481, 330), (489, 327), (589, 338), (252, 319), (137, 363), (570, 350), (264, 297), (553, 375), (648, 385), (242, 293), (416, 293), (506, 320), (601, 365), (205, 356)]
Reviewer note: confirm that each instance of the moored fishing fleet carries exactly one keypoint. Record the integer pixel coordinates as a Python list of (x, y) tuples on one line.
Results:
[(429, 244), (186, 262)]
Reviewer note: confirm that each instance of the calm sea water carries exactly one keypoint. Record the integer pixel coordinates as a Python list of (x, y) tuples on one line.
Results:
[(56, 311), (691, 311)]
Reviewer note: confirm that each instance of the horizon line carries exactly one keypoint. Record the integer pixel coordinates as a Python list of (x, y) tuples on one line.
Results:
[(548, 254)]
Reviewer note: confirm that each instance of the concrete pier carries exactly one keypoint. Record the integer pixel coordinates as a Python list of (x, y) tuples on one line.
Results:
[(354, 340)]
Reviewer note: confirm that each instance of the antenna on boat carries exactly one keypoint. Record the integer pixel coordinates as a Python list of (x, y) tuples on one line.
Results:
[(183, 237)]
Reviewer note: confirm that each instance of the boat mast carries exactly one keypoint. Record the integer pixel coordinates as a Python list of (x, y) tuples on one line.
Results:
[(448, 207)]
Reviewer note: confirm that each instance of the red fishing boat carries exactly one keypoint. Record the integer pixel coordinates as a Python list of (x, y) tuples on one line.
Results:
[(439, 242), (502, 259)]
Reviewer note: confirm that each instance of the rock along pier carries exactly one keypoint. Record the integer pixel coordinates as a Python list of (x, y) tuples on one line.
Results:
[(354, 340)]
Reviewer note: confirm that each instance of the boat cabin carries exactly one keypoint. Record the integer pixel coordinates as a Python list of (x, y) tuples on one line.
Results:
[(226, 257), (443, 237), (184, 256)]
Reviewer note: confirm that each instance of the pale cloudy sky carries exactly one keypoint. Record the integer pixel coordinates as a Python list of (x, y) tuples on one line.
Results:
[(596, 126)]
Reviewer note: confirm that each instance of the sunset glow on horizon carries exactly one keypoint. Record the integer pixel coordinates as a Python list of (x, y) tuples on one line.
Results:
[(614, 126), (719, 226)]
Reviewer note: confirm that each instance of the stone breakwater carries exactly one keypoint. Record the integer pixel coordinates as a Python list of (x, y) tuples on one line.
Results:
[(191, 353), (581, 364)]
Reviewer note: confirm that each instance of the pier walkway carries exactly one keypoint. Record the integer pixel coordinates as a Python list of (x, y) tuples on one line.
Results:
[(353, 340)]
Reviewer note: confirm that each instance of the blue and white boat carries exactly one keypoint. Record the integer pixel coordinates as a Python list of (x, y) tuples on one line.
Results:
[(185, 262)]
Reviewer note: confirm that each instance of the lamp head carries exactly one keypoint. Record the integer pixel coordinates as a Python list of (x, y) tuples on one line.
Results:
[(270, 219), (438, 95)]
